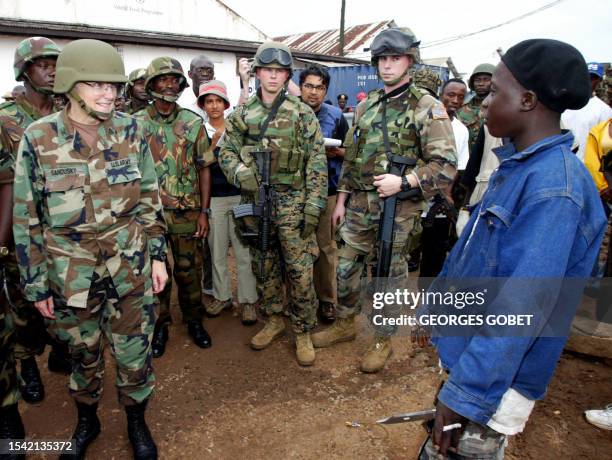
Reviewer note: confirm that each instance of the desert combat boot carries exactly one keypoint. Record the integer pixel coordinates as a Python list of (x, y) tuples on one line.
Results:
[(274, 328), (343, 330), (376, 355), (304, 350)]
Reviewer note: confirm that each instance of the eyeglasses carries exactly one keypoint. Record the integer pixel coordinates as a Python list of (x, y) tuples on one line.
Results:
[(269, 55), (317, 88), (102, 88)]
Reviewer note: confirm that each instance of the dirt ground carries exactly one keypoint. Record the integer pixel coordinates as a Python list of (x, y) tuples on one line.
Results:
[(229, 402)]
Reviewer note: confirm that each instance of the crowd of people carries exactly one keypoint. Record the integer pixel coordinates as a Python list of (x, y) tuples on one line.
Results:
[(104, 175)]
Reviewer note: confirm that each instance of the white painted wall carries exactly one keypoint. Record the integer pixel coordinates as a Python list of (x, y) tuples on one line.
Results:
[(135, 56), (208, 18)]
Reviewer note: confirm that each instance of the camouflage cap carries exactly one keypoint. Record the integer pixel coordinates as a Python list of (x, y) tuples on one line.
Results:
[(165, 66), (427, 79), (480, 68), (137, 74), (30, 49), (395, 41)]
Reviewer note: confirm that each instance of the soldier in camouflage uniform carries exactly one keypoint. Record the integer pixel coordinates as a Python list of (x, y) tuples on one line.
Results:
[(89, 233), (34, 64), (137, 96), (180, 147), (418, 128), (11, 426), (299, 181), (469, 114)]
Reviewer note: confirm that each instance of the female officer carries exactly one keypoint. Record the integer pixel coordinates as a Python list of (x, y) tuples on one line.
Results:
[(89, 235)]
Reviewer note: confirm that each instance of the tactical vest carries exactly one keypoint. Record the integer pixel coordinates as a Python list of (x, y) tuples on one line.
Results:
[(365, 147), (282, 137)]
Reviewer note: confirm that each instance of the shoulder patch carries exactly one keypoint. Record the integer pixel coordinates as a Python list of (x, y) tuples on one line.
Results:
[(438, 112)]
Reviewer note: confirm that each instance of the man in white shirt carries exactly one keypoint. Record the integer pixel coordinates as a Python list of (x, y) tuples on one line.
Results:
[(580, 122), (452, 96)]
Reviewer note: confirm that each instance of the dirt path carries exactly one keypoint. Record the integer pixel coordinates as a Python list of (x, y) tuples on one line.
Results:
[(229, 402)]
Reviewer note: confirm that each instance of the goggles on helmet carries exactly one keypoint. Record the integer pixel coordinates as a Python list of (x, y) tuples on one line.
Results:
[(270, 55)]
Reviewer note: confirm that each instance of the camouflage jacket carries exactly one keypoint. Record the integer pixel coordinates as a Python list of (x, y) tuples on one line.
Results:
[(418, 127), (15, 117), (180, 148), (295, 140), (469, 115), (77, 207)]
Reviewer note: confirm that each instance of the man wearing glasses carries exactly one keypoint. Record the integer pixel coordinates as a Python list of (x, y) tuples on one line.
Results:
[(34, 65), (180, 148), (314, 82), (283, 127)]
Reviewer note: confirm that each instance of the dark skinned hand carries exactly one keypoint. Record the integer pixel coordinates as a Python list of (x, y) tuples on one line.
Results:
[(447, 441)]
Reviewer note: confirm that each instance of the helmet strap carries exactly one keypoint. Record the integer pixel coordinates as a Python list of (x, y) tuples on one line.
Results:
[(102, 116), (44, 90), (163, 97)]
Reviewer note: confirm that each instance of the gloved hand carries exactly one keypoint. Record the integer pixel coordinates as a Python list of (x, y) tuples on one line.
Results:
[(247, 180), (309, 225)]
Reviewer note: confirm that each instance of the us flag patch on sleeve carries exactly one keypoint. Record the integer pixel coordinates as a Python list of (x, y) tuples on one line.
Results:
[(438, 112)]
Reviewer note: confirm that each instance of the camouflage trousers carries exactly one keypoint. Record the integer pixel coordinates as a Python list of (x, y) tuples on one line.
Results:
[(476, 442), (298, 255), (359, 234), (187, 267), (9, 389), (30, 331), (125, 322)]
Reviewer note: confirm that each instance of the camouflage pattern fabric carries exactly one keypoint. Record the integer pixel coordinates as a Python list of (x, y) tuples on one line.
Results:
[(469, 115), (477, 442), (127, 323), (180, 147), (74, 204), (9, 389), (299, 179), (418, 128), (187, 256), (298, 255), (427, 79), (30, 329), (359, 233), (134, 106)]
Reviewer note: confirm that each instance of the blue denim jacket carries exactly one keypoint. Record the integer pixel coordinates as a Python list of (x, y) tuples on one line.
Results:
[(541, 217)]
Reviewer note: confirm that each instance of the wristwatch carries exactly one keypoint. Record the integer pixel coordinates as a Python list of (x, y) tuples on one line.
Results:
[(205, 211), (405, 184), (4, 251)]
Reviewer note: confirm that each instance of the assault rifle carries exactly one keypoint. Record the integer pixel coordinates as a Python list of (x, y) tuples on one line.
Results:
[(397, 166), (262, 209)]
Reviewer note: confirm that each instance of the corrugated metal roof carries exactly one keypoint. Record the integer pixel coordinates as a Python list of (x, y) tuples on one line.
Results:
[(328, 41)]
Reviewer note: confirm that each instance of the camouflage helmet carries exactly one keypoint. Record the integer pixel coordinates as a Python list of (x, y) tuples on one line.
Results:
[(164, 66), (395, 41), (427, 79), (30, 49), (273, 54), (480, 68), (137, 74), (87, 60)]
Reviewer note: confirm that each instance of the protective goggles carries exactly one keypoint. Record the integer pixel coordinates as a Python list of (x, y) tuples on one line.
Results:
[(270, 55)]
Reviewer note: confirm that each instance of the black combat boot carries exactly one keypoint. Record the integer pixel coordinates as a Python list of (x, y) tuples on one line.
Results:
[(138, 432), (87, 429), (160, 337), (59, 359), (11, 427), (32, 389), (199, 334)]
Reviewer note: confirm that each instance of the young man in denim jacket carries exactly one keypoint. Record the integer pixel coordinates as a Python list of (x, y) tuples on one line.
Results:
[(541, 217)]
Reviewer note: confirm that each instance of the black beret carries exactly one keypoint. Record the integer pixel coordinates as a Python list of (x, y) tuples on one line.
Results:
[(554, 70)]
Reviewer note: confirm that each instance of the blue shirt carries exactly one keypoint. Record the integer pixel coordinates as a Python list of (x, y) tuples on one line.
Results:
[(541, 217), (334, 126)]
